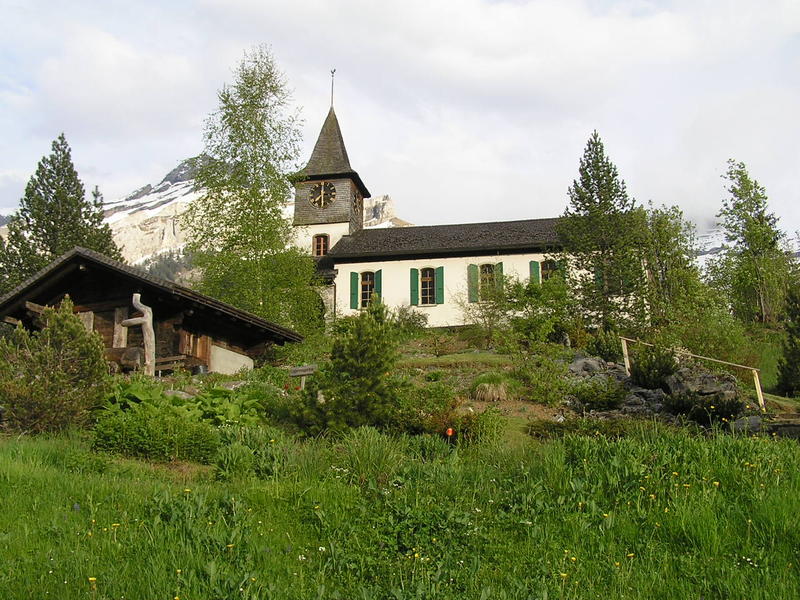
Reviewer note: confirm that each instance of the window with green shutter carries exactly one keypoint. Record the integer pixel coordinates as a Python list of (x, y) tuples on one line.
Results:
[(414, 292), (439, 282), (354, 291), (536, 276), (472, 283)]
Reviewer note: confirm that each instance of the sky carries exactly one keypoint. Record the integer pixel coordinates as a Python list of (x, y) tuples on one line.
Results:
[(461, 110)]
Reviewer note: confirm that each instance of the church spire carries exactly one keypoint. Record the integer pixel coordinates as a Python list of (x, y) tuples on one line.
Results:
[(329, 158)]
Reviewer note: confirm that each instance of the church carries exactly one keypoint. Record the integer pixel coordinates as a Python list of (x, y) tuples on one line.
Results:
[(437, 269)]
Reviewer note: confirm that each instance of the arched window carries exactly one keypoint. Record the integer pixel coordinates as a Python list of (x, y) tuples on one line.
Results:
[(548, 268), (320, 244), (487, 285), (367, 287), (427, 288)]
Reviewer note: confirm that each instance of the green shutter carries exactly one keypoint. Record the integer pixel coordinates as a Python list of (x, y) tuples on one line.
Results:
[(536, 272), (472, 283), (378, 287), (354, 291), (414, 287), (439, 283), (498, 276)]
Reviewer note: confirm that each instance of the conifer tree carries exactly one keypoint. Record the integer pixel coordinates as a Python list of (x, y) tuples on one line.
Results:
[(789, 363), (53, 217), (601, 231)]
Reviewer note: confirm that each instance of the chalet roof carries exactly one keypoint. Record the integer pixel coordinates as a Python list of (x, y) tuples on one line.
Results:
[(329, 157), (78, 256), (447, 240)]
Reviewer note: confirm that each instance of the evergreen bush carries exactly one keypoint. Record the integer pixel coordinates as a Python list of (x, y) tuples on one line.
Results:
[(789, 363), (605, 343), (651, 366), (357, 386), (600, 393), (51, 379)]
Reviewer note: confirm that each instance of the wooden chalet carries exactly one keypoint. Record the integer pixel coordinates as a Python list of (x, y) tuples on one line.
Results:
[(192, 330)]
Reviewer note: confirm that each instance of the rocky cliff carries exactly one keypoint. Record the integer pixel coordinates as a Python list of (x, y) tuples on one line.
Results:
[(146, 223)]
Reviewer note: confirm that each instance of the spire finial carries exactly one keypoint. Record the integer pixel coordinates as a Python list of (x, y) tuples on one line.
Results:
[(332, 73)]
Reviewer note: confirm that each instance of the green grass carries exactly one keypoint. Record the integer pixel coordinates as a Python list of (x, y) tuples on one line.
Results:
[(461, 359), (661, 514)]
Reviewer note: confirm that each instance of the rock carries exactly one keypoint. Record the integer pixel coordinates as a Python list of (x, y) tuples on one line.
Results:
[(617, 372), (687, 380), (179, 394), (232, 385), (633, 400), (586, 366), (751, 424)]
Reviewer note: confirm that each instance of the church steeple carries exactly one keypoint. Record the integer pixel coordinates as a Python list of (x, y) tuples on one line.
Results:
[(329, 157), (329, 192)]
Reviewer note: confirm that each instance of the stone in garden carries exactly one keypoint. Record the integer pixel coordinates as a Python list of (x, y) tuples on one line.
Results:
[(751, 424), (586, 366)]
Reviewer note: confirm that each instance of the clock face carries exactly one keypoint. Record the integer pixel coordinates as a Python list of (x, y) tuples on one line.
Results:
[(322, 194)]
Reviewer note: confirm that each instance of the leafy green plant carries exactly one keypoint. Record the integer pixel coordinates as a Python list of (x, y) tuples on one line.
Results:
[(233, 461), (605, 343), (485, 427), (705, 410), (599, 393), (543, 373), (546, 429), (651, 366), (51, 379), (156, 432)]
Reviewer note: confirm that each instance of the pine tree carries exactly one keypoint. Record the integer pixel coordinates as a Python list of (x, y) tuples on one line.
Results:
[(789, 363), (236, 229), (53, 217), (601, 231)]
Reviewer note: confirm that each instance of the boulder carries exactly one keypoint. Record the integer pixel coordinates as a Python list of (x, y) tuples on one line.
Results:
[(179, 394), (700, 382), (584, 367), (751, 424)]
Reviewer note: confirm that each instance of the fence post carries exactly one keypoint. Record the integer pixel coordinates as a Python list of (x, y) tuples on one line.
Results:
[(757, 382), (625, 356)]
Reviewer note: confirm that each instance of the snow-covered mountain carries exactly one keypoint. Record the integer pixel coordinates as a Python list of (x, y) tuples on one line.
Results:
[(146, 223), (711, 242)]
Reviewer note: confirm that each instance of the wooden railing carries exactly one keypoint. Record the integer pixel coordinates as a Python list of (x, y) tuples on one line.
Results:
[(753, 370)]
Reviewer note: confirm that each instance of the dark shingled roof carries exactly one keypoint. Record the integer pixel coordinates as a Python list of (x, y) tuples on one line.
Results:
[(17, 295), (329, 158), (447, 240)]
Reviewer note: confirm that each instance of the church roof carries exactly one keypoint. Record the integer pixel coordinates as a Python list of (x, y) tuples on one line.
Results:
[(329, 157), (465, 239)]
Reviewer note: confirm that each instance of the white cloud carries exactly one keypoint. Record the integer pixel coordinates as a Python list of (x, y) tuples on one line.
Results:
[(461, 109)]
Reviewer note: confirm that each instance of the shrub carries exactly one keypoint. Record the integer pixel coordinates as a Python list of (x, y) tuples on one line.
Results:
[(705, 409), (51, 379), (409, 322), (789, 363), (161, 433), (605, 343), (543, 373), (494, 387), (356, 387), (423, 409), (651, 366), (233, 461), (599, 393), (271, 448), (486, 427)]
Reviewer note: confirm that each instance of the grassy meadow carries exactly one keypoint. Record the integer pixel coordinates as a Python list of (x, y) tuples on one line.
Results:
[(660, 513)]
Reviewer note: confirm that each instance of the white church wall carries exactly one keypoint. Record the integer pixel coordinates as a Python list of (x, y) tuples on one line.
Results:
[(304, 235), (396, 286)]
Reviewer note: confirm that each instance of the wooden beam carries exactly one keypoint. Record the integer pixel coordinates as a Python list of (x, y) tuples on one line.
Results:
[(11, 321), (120, 336), (33, 307)]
